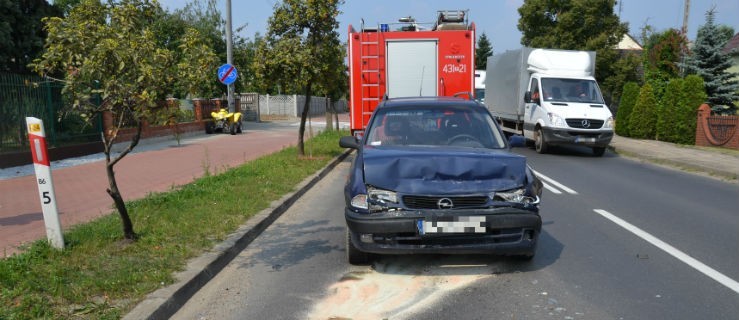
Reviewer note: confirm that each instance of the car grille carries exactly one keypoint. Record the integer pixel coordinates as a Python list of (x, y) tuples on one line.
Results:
[(578, 123), (422, 202)]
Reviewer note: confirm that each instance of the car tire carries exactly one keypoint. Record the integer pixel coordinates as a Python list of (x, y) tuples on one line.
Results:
[(599, 151), (540, 144), (353, 255)]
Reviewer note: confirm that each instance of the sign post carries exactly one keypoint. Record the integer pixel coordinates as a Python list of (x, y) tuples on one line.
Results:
[(41, 163)]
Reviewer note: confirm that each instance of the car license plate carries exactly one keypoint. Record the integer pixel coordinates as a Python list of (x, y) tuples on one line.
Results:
[(471, 224), (579, 139)]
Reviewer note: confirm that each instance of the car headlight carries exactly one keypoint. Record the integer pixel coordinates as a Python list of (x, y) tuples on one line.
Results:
[(515, 195), (608, 124), (375, 200), (383, 196), (360, 201), (556, 120)]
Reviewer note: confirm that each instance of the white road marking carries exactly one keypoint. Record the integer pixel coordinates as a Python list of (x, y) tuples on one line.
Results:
[(555, 183), (550, 188), (712, 273)]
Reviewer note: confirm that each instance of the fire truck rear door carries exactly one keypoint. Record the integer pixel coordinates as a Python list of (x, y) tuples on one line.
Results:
[(412, 68)]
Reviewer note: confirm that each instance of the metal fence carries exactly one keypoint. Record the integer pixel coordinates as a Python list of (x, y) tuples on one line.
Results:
[(24, 96)]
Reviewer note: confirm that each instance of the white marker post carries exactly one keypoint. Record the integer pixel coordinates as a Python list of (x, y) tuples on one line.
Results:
[(37, 137)]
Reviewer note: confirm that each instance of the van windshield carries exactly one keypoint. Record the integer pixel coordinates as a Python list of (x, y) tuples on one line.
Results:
[(570, 90)]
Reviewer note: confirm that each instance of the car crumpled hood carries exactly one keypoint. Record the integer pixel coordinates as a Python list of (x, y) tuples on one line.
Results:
[(430, 171)]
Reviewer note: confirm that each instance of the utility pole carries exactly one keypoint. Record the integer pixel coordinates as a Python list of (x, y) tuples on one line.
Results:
[(685, 19), (684, 30), (229, 55)]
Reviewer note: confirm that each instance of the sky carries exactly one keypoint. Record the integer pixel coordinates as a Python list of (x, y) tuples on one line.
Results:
[(496, 18)]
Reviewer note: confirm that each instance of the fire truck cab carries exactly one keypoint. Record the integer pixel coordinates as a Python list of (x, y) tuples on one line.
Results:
[(409, 59)]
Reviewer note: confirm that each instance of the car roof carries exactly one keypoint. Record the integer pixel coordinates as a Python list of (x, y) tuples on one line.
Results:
[(428, 102)]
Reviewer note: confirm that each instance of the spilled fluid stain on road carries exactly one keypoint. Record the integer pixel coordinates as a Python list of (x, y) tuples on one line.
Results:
[(398, 287)]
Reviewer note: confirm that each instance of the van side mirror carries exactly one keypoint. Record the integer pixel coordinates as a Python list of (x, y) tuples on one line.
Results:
[(527, 97)]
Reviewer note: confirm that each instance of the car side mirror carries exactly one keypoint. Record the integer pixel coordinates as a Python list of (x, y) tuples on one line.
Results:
[(527, 97), (517, 141), (349, 142)]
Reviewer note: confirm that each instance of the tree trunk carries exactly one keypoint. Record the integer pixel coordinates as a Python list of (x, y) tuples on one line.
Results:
[(303, 117), (329, 116), (113, 190), (114, 193)]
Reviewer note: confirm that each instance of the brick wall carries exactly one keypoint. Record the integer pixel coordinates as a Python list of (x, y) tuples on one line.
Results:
[(716, 131)]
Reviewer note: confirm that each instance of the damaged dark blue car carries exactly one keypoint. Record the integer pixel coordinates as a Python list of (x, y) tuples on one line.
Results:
[(436, 175)]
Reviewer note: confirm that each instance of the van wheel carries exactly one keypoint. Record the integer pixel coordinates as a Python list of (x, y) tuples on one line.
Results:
[(599, 151), (539, 143), (353, 255)]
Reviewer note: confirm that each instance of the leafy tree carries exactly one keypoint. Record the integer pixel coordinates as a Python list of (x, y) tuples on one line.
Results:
[(245, 53), (66, 5), (204, 16), (625, 69), (668, 114), (708, 61), (644, 117), (21, 32), (482, 52), (300, 50), (114, 56), (575, 25), (628, 100), (663, 52)]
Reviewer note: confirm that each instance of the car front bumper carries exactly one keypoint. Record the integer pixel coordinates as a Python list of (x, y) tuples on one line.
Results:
[(588, 138), (504, 231)]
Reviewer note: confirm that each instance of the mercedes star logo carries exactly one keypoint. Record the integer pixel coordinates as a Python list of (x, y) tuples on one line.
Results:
[(586, 123), (445, 203)]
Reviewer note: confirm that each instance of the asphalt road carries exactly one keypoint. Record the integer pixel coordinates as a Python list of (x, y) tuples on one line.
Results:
[(621, 240)]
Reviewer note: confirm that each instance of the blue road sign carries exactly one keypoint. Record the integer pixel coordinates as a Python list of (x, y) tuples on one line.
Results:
[(227, 74)]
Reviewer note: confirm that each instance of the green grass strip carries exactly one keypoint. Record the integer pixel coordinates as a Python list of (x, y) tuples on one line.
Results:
[(99, 277)]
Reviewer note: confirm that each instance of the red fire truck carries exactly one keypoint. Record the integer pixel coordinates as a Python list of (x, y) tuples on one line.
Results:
[(409, 60)]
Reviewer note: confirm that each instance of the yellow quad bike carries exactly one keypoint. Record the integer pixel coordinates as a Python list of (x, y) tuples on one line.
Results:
[(224, 121)]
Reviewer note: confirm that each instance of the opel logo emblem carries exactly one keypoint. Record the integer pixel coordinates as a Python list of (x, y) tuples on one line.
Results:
[(586, 123), (445, 203)]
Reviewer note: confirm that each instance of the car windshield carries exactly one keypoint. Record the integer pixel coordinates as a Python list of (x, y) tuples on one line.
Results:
[(570, 90), (435, 126)]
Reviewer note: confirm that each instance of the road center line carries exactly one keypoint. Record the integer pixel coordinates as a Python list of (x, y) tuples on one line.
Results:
[(555, 183), (715, 275), (550, 188)]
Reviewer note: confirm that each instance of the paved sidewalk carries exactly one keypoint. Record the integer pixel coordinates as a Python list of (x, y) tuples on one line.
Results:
[(156, 165), (722, 164)]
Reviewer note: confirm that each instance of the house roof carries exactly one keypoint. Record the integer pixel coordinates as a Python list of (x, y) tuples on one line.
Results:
[(732, 44), (628, 43)]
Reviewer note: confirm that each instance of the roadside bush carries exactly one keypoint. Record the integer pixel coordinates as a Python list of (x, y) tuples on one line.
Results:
[(644, 117), (694, 95), (669, 118), (626, 106)]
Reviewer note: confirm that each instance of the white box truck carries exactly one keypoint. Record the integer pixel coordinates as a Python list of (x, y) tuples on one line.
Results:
[(550, 96)]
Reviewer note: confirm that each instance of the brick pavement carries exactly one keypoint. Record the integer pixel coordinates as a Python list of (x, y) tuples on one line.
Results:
[(80, 190)]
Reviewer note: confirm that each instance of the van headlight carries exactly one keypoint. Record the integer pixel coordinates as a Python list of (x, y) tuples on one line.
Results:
[(556, 120), (608, 124)]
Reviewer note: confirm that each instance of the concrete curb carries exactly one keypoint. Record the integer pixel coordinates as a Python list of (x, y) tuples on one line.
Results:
[(165, 302), (713, 172)]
